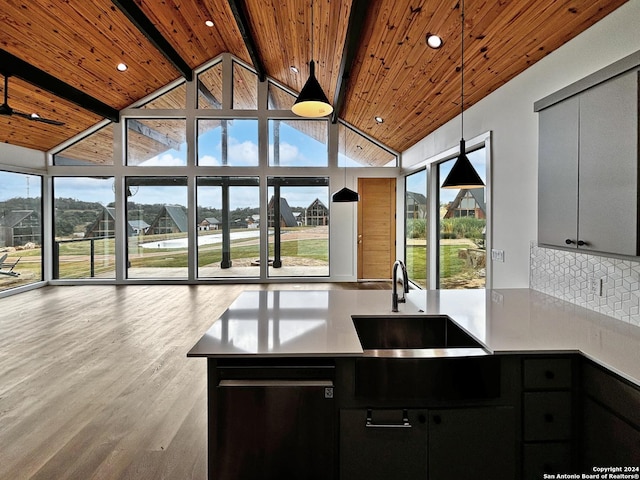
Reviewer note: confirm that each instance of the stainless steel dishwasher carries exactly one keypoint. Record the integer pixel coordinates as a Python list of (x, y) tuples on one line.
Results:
[(274, 423)]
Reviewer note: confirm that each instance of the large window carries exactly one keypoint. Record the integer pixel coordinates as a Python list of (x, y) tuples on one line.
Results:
[(206, 180), (298, 143), (156, 142), (20, 229), (462, 227), (228, 143), (298, 221), (416, 227), (355, 150), (93, 150), (157, 227), (84, 227), (228, 225)]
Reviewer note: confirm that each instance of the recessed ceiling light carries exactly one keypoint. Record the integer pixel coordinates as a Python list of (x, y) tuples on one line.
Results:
[(434, 41), (209, 23), (122, 67), (379, 119), (294, 69)]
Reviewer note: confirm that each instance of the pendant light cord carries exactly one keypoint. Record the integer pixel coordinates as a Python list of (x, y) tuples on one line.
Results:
[(312, 52), (462, 69), (346, 156)]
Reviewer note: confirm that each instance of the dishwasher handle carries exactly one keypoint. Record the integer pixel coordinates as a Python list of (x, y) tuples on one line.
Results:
[(275, 383), (404, 423)]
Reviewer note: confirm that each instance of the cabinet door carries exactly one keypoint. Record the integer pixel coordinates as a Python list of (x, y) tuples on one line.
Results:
[(558, 174), (608, 178), (472, 444), (383, 444), (607, 439)]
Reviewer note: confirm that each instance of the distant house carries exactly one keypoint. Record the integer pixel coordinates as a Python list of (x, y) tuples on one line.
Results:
[(253, 221), (139, 226), (171, 219), (105, 225), (209, 223), (468, 203), (416, 205), (20, 227), (286, 215), (316, 214)]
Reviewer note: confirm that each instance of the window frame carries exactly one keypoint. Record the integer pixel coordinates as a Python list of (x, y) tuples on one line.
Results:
[(431, 165)]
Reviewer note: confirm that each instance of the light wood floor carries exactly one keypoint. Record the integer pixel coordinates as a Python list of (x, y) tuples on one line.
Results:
[(95, 382)]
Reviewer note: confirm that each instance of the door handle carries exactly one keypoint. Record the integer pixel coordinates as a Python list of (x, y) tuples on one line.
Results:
[(404, 423)]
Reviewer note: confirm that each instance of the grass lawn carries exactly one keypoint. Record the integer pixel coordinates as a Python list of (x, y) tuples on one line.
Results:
[(452, 267)]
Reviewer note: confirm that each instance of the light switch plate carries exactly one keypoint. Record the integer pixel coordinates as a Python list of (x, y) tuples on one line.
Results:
[(497, 255)]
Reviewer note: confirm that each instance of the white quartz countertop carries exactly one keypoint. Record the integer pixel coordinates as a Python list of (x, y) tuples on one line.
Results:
[(318, 323)]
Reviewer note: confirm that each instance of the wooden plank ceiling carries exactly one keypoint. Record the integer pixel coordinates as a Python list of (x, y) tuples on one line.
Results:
[(394, 75)]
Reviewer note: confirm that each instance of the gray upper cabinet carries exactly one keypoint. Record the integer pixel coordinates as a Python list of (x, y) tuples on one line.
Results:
[(558, 173), (588, 169)]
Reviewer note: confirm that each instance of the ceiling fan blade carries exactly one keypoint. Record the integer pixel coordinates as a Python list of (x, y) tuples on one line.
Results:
[(37, 118), (5, 109)]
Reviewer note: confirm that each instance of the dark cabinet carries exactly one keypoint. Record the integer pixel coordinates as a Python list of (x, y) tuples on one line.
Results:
[(607, 439), (383, 444), (472, 444), (548, 416), (438, 444), (610, 419)]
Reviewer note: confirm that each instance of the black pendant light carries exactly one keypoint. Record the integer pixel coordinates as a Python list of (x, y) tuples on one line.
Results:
[(312, 102), (462, 174), (345, 194)]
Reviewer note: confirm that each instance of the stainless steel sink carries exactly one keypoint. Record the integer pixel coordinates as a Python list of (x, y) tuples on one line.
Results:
[(421, 336), (450, 364)]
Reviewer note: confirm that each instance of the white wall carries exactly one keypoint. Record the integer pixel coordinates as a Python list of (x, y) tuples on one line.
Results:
[(20, 157), (508, 114)]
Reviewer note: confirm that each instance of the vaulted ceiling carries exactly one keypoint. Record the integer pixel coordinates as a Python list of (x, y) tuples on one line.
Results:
[(371, 55)]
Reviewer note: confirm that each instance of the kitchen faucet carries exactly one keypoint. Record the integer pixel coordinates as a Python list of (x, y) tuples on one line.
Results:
[(405, 285)]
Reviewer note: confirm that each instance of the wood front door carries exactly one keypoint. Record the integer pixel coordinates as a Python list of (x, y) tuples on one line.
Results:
[(376, 228)]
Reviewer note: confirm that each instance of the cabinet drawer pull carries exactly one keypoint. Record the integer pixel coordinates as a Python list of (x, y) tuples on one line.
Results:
[(437, 419), (403, 424), (582, 243), (549, 375), (568, 241), (548, 417)]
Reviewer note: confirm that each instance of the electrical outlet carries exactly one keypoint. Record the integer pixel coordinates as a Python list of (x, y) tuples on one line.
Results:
[(497, 255), (594, 285), (497, 297)]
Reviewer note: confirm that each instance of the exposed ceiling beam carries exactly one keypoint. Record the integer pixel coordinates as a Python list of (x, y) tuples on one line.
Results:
[(13, 66), (146, 131), (148, 29), (357, 18), (239, 10), (210, 97)]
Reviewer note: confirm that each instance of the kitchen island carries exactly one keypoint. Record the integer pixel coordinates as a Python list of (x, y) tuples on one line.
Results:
[(291, 348)]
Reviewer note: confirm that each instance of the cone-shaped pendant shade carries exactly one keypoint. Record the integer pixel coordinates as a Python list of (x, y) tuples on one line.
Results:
[(312, 102), (462, 174), (345, 195)]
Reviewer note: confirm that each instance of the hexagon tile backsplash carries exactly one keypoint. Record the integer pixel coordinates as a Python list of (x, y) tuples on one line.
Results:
[(606, 285)]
